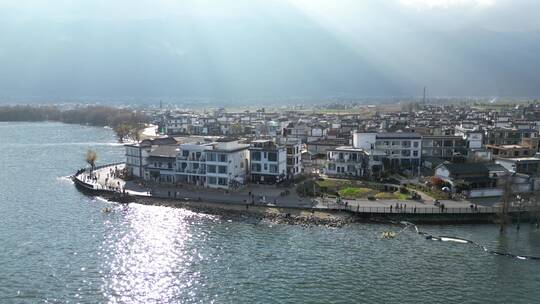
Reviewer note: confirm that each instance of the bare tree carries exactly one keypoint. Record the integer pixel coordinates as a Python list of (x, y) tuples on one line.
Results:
[(91, 158), (122, 130), (135, 132)]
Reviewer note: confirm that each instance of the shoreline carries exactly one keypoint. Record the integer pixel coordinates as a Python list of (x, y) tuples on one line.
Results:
[(335, 216), (278, 215)]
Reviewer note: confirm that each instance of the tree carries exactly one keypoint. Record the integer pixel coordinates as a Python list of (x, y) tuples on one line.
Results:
[(122, 130), (91, 157), (135, 132)]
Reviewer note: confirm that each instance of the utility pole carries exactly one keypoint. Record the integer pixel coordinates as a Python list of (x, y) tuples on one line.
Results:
[(424, 98)]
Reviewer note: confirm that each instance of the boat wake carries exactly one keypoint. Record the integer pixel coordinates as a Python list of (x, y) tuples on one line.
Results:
[(443, 238), (65, 179)]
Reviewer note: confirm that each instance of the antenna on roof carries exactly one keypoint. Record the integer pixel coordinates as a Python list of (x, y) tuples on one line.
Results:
[(424, 98)]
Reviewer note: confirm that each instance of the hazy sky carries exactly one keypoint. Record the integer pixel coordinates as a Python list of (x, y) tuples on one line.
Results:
[(266, 49)]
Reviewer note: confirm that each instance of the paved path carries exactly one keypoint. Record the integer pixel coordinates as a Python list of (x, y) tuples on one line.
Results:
[(107, 178)]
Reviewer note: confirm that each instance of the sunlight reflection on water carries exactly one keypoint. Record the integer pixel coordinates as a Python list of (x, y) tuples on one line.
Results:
[(149, 262)]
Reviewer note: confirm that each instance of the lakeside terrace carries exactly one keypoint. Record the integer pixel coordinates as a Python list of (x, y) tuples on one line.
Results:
[(105, 180)]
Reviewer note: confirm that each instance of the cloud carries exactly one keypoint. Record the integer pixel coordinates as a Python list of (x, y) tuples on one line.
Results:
[(432, 4)]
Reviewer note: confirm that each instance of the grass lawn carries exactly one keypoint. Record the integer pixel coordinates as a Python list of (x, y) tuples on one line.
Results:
[(351, 192), (333, 183), (348, 189), (392, 195)]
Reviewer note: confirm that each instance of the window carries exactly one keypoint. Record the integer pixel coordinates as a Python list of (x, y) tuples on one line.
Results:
[(211, 168), (222, 169), (273, 169), (256, 156), (265, 167), (332, 167), (415, 153), (212, 180), (211, 156), (185, 153), (256, 167), (272, 156), (223, 158), (415, 144), (222, 181)]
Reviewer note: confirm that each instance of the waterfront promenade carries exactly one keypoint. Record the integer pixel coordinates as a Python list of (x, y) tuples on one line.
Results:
[(106, 178)]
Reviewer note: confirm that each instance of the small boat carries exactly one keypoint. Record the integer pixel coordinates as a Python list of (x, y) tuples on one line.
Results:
[(106, 210)]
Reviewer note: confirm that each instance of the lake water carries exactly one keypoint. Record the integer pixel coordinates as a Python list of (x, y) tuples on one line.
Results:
[(56, 245)]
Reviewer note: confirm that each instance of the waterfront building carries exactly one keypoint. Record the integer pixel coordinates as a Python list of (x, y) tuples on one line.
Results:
[(191, 163), (293, 148), (219, 164), (160, 164), (472, 179), (137, 154), (346, 161), (401, 150), (227, 164), (268, 162)]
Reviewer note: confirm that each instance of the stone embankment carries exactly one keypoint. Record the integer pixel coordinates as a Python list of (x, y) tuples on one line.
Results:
[(104, 181)]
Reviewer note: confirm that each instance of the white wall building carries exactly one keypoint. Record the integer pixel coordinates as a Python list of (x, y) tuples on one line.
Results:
[(221, 164), (293, 148), (401, 149), (268, 162), (346, 161), (227, 164), (137, 154)]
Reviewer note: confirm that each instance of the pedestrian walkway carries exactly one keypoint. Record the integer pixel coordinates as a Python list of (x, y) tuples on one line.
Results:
[(108, 178)]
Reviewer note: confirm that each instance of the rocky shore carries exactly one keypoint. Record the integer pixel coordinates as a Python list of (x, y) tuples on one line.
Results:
[(258, 213)]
